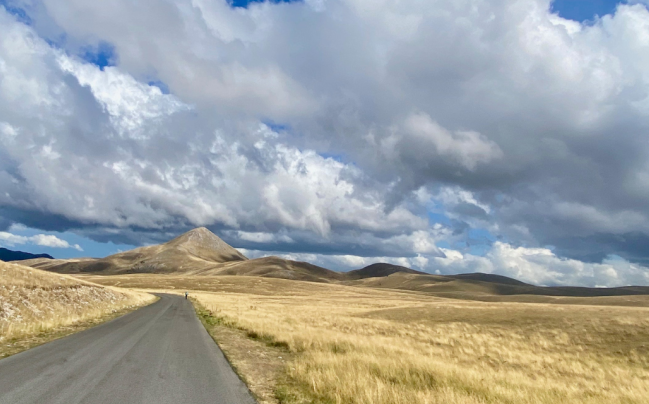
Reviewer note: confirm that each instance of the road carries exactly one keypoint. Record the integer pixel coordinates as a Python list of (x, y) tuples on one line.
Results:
[(159, 354)]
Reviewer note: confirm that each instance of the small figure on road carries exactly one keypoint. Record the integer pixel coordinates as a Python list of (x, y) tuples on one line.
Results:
[(186, 293)]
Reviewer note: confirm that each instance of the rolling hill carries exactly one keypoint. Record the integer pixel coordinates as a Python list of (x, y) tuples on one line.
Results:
[(490, 287)]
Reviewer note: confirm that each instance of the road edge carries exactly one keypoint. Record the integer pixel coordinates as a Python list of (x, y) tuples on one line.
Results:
[(209, 322), (18, 345)]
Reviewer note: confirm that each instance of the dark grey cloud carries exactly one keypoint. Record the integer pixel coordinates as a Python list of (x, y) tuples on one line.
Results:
[(593, 248), (37, 219), (470, 210)]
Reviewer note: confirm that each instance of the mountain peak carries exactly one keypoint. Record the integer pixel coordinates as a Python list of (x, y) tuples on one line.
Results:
[(202, 243), (199, 235), (200, 230)]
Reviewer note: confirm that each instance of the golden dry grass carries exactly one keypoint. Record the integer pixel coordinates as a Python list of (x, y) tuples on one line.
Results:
[(358, 345), (34, 301)]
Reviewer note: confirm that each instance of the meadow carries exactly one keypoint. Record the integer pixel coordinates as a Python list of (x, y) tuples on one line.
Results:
[(358, 345)]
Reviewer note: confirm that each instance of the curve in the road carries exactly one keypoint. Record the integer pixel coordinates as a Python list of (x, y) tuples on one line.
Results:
[(159, 354)]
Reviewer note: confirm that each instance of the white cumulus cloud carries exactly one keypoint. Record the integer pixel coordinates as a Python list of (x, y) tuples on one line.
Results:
[(45, 240)]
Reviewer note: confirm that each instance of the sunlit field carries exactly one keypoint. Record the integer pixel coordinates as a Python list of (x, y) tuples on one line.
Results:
[(356, 345)]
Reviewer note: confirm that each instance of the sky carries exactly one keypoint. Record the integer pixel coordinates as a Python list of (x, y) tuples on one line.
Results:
[(584, 10), (497, 136)]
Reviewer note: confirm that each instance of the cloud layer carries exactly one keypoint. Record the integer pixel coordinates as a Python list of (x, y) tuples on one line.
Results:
[(350, 128), (538, 266), (44, 240)]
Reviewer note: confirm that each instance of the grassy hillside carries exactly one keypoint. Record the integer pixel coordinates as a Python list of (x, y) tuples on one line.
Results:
[(34, 301)]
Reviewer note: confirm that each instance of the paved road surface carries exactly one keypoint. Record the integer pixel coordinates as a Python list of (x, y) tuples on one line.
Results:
[(160, 354)]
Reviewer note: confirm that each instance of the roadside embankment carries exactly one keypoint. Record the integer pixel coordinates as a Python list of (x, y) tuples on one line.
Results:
[(37, 306)]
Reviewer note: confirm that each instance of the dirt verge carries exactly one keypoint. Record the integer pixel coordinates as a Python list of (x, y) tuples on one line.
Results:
[(259, 363)]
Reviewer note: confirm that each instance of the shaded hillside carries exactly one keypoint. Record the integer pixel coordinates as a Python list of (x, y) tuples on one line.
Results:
[(10, 255), (379, 270), (492, 278), (275, 267), (490, 288)]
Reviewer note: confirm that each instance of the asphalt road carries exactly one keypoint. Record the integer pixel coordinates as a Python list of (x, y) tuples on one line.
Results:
[(155, 355)]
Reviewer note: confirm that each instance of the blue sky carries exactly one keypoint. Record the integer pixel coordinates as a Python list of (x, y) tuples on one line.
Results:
[(90, 247), (102, 55), (244, 3), (578, 10), (584, 10)]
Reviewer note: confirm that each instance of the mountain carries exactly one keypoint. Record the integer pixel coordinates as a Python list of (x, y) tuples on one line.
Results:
[(9, 255), (197, 252), (203, 244), (194, 251)]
